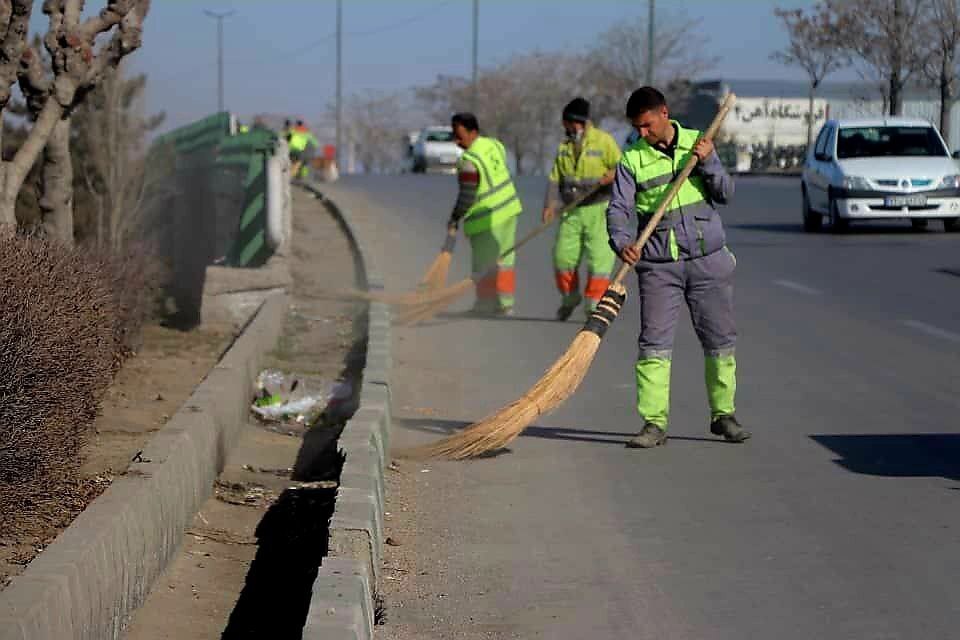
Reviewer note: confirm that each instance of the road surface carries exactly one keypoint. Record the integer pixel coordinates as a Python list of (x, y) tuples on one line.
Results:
[(839, 519)]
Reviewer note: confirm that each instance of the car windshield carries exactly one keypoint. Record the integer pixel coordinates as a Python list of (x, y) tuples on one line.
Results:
[(439, 136), (867, 142)]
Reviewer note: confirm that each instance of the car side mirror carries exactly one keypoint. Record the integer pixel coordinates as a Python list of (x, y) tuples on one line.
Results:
[(822, 157), (956, 154)]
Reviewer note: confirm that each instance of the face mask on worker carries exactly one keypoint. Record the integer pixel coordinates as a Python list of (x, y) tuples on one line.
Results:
[(574, 135)]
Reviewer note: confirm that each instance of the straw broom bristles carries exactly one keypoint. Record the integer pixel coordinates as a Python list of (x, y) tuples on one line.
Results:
[(563, 378), (436, 275), (431, 303), (498, 429)]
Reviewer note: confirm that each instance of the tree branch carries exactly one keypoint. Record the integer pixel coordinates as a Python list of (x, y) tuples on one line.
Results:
[(36, 140), (13, 44), (109, 16), (34, 82), (126, 39)]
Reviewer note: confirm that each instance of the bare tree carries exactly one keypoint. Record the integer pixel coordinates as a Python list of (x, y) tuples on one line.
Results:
[(114, 170), (519, 102), (814, 47), (943, 26), (617, 65), (77, 64), (375, 122), (884, 39)]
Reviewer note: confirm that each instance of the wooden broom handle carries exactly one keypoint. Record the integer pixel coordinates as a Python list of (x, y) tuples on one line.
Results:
[(675, 186), (564, 210)]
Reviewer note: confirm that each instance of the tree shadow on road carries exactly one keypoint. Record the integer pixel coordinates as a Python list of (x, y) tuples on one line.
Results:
[(908, 455), (448, 427)]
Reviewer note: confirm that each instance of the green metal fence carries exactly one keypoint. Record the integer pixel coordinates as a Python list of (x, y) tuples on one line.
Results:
[(215, 209)]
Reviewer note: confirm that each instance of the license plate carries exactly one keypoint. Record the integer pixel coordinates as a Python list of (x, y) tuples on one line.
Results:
[(905, 201)]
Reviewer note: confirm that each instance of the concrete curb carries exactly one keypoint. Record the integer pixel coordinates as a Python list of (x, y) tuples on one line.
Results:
[(344, 596), (101, 568)]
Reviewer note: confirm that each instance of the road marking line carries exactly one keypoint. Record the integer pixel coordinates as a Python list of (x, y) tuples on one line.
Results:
[(796, 286), (929, 329)]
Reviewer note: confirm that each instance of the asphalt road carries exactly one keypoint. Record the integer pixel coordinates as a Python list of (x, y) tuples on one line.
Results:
[(839, 519)]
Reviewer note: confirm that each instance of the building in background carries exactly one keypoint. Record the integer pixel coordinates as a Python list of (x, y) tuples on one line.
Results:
[(767, 129)]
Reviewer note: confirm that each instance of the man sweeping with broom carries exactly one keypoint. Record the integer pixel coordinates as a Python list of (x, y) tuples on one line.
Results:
[(685, 259), (585, 160), (488, 205)]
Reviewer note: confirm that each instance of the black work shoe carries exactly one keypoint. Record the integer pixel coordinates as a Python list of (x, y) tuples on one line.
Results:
[(651, 436), (729, 428), (565, 311)]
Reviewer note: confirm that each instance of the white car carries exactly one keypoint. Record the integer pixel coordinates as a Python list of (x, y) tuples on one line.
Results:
[(435, 149), (881, 168)]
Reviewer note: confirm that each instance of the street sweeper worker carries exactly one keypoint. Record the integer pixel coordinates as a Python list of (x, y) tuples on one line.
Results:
[(303, 146), (685, 260), (586, 158), (488, 206)]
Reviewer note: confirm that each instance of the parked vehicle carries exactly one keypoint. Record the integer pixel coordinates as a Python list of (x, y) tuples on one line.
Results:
[(435, 150), (881, 168)]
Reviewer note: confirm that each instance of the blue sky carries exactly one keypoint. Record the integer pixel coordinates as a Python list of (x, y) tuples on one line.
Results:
[(280, 54)]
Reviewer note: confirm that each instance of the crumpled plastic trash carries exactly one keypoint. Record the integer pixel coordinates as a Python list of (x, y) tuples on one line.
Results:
[(282, 398)]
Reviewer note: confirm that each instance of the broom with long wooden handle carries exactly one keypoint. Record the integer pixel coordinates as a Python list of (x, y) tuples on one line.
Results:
[(425, 302), (562, 379), (426, 305)]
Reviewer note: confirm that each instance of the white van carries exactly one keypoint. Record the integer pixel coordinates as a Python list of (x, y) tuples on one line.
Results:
[(880, 168)]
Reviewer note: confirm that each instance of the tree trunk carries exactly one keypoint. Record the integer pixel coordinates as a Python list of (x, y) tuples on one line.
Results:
[(813, 88), (56, 202), (8, 207), (896, 62), (896, 93), (946, 97)]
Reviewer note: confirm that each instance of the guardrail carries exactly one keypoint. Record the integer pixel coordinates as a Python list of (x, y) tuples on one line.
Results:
[(228, 203)]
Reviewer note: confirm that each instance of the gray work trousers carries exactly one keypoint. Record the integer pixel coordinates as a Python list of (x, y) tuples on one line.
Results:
[(706, 285)]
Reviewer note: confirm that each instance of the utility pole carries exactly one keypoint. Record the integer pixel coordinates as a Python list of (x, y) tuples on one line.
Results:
[(476, 52), (219, 18), (650, 36), (339, 79)]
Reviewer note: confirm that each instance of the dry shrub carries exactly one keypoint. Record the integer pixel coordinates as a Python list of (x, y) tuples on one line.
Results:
[(134, 276), (61, 341)]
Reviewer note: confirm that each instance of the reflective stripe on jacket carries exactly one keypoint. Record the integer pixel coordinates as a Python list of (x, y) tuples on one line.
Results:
[(691, 227)]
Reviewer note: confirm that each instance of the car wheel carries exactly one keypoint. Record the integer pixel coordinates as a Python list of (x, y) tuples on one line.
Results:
[(837, 224), (951, 225), (919, 224), (812, 221)]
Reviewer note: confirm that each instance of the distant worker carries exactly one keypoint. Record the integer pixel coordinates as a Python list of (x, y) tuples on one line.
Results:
[(303, 147), (686, 260), (587, 158), (488, 206)]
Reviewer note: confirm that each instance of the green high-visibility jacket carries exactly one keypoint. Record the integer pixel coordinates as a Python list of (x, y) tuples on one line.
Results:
[(653, 172), (599, 153), (497, 199), (300, 140), (690, 213)]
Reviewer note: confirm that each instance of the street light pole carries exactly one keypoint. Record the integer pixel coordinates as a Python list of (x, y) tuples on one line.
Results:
[(339, 106), (650, 36), (219, 18), (476, 51)]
